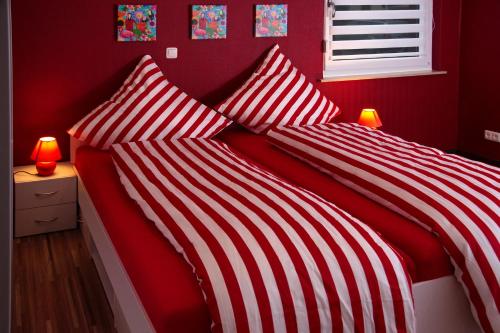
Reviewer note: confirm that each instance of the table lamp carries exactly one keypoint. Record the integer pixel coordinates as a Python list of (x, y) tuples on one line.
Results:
[(45, 154), (369, 118)]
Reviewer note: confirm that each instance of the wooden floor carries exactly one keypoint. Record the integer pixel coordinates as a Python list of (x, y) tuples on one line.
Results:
[(56, 287)]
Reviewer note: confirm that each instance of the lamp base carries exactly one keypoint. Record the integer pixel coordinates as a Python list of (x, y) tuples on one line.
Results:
[(45, 168)]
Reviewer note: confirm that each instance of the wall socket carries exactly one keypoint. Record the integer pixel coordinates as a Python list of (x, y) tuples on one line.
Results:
[(492, 136)]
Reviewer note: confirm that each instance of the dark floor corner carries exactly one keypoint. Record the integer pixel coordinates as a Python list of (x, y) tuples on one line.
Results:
[(474, 157), (56, 287)]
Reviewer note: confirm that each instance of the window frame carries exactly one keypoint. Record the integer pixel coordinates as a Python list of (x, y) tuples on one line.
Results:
[(359, 68)]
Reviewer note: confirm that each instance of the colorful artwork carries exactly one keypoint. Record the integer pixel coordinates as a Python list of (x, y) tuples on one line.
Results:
[(271, 20), (136, 23), (209, 22)]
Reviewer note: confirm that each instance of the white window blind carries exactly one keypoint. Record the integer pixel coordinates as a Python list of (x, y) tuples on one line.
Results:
[(369, 37)]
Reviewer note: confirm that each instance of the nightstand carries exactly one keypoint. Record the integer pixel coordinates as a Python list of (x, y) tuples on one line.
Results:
[(44, 204)]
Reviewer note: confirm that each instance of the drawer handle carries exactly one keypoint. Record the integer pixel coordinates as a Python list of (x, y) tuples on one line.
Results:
[(47, 221), (46, 194)]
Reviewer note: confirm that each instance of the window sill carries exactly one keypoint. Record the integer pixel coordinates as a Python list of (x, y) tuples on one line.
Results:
[(382, 76)]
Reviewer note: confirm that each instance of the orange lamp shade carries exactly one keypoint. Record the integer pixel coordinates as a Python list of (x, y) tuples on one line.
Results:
[(369, 118), (45, 154)]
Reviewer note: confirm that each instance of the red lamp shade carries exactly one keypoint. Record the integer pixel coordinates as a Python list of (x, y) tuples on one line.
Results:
[(45, 154), (369, 118)]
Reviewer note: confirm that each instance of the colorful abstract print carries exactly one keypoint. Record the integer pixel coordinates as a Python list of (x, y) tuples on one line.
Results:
[(209, 22), (136, 23), (271, 20)]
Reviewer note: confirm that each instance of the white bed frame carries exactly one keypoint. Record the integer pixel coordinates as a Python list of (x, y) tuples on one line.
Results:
[(440, 304)]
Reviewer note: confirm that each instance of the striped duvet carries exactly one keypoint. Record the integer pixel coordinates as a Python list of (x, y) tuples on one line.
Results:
[(269, 256), (457, 198)]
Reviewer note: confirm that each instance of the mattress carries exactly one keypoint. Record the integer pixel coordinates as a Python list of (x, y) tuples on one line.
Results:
[(428, 258)]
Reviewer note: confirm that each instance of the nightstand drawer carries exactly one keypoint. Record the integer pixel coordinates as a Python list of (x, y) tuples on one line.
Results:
[(45, 219), (45, 193)]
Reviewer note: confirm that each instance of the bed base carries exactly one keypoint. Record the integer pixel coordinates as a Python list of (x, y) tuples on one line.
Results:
[(128, 311), (440, 304)]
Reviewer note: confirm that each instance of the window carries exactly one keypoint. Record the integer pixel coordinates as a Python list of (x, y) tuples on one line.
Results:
[(377, 37)]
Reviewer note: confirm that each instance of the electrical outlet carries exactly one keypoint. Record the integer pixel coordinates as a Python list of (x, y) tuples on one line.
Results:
[(492, 136)]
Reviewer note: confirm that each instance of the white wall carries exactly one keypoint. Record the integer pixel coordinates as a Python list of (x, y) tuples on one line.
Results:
[(5, 166)]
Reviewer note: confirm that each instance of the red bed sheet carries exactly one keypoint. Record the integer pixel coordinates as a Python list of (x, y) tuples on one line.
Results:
[(428, 258), (163, 280)]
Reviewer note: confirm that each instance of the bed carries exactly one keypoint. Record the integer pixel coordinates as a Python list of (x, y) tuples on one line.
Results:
[(167, 298)]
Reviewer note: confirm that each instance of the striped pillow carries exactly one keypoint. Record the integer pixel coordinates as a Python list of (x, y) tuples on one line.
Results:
[(278, 94), (147, 106)]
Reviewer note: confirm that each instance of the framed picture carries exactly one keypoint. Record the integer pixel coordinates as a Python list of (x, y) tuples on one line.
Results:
[(136, 23), (271, 20), (208, 21)]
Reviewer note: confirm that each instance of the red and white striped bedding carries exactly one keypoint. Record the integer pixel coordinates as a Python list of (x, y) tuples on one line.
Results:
[(270, 257), (457, 198), (278, 94), (146, 107)]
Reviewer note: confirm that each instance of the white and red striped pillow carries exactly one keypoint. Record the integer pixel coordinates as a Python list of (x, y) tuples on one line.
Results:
[(278, 94), (147, 106)]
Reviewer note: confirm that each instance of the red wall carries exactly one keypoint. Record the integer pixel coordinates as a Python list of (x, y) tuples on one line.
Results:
[(66, 62), (479, 73)]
